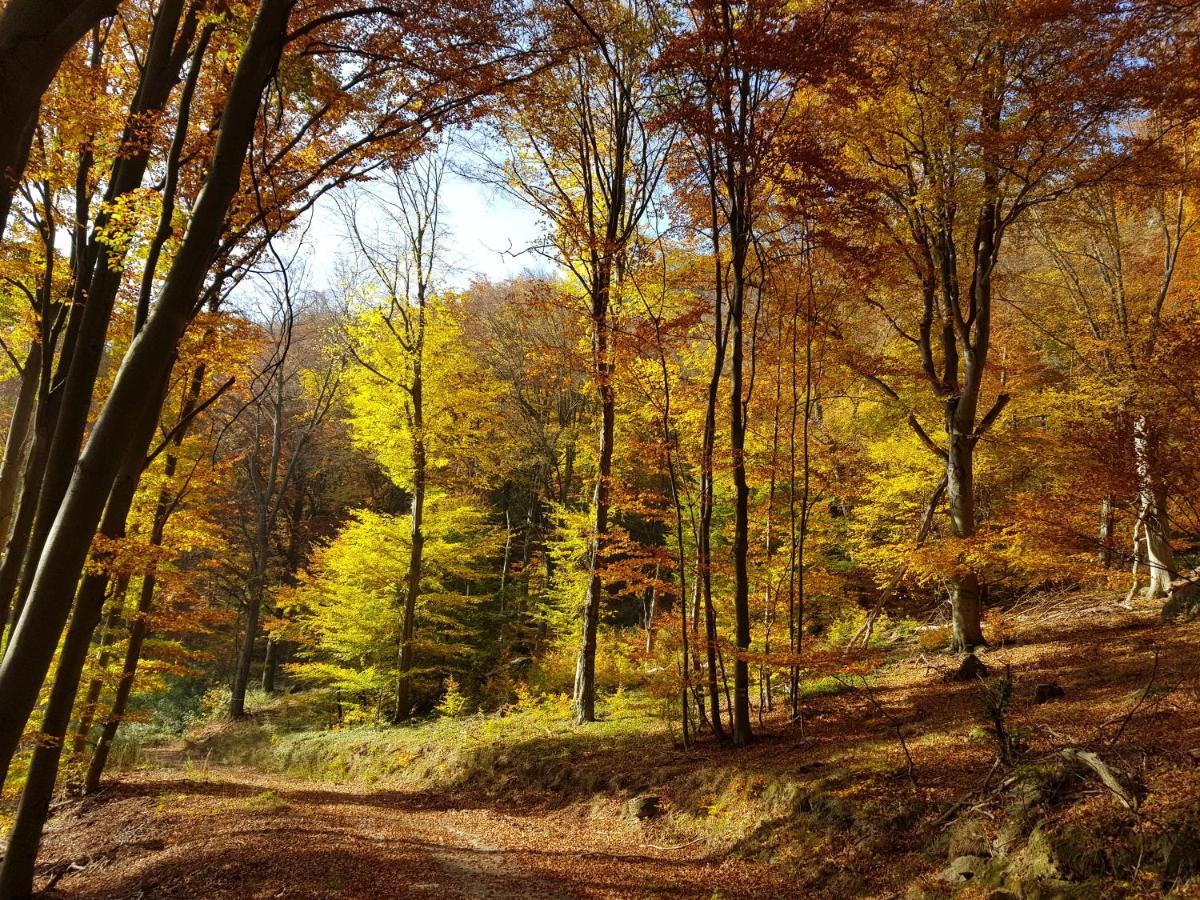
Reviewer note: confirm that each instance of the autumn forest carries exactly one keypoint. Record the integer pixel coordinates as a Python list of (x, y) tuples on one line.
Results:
[(808, 506)]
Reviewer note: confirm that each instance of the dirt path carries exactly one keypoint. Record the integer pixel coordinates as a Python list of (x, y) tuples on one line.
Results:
[(233, 833)]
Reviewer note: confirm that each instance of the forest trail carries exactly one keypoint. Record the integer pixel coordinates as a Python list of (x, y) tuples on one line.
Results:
[(235, 833)]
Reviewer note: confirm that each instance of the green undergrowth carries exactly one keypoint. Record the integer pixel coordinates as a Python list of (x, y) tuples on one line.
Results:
[(532, 745)]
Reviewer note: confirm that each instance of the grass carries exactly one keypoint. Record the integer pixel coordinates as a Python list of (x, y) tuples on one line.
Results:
[(535, 742)]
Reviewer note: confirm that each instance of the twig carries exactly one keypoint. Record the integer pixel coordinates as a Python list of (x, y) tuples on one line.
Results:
[(676, 847), (911, 769), (1141, 700)]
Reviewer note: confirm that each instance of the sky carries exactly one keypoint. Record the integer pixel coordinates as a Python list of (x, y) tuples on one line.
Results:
[(485, 233)]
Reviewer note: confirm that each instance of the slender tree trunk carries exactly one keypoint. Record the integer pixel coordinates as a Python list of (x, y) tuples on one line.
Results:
[(17, 445), (1104, 555), (966, 601), (86, 351), (741, 521), (254, 601), (91, 700), (18, 539), (138, 630), (415, 563), (138, 627), (16, 873), (585, 669), (652, 609), (270, 664), (707, 453), (1152, 500), (147, 361)]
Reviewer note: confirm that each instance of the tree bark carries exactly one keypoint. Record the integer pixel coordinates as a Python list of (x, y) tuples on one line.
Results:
[(965, 594), (585, 670), (1104, 555), (17, 445), (241, 675), (147, 361), (270, 665), (741, 522), (1152, 499), (412, 588)]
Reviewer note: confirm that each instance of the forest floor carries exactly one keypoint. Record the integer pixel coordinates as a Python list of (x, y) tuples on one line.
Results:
[(892, 788), (235, 833)]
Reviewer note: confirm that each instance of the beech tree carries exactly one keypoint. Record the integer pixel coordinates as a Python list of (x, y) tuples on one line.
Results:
[(592, 173), (982, 115)]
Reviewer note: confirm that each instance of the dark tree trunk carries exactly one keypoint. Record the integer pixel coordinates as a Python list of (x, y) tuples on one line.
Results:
[(26, 835), (585, 670), (741, 528), (1104, 555), (965, 591), (245, 660), (412, 587), (18, 540), (87, 347), (147, 361), (270, 665), (138, 629), (35, 35), (17, 444), (91, 700)]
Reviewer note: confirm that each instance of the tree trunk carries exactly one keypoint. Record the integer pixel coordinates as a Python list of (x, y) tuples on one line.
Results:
[(91, 700), (416, 550), (966, 602), (413, 581), (35, 35), (87, 349), (1104, 555), (17, 445), (241, 674), (741, 521), (1152, 499), (18, 539), (133, 653), (585, 669), (270, 664), (16, 873), (147, 361)]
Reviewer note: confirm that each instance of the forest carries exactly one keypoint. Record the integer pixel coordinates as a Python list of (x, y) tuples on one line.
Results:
[(809, 506)]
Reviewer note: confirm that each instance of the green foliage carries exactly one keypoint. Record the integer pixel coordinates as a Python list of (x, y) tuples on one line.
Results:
[(453, 704), (346, 612)]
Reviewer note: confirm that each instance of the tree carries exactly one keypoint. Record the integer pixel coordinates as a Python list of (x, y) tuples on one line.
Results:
[(592, 173), (403, 271), (982, 114), (292, 395)]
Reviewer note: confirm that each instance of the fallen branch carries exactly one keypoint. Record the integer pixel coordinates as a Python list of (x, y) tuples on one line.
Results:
[(676, 847), (1105, 774)]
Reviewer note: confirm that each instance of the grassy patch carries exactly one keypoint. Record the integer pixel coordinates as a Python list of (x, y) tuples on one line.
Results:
[(532, 745)]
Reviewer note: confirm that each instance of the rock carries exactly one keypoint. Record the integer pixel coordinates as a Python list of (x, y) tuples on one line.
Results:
[(963, 869), (1044, 693), (645, 806), (1183, 601), (970, 669)]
